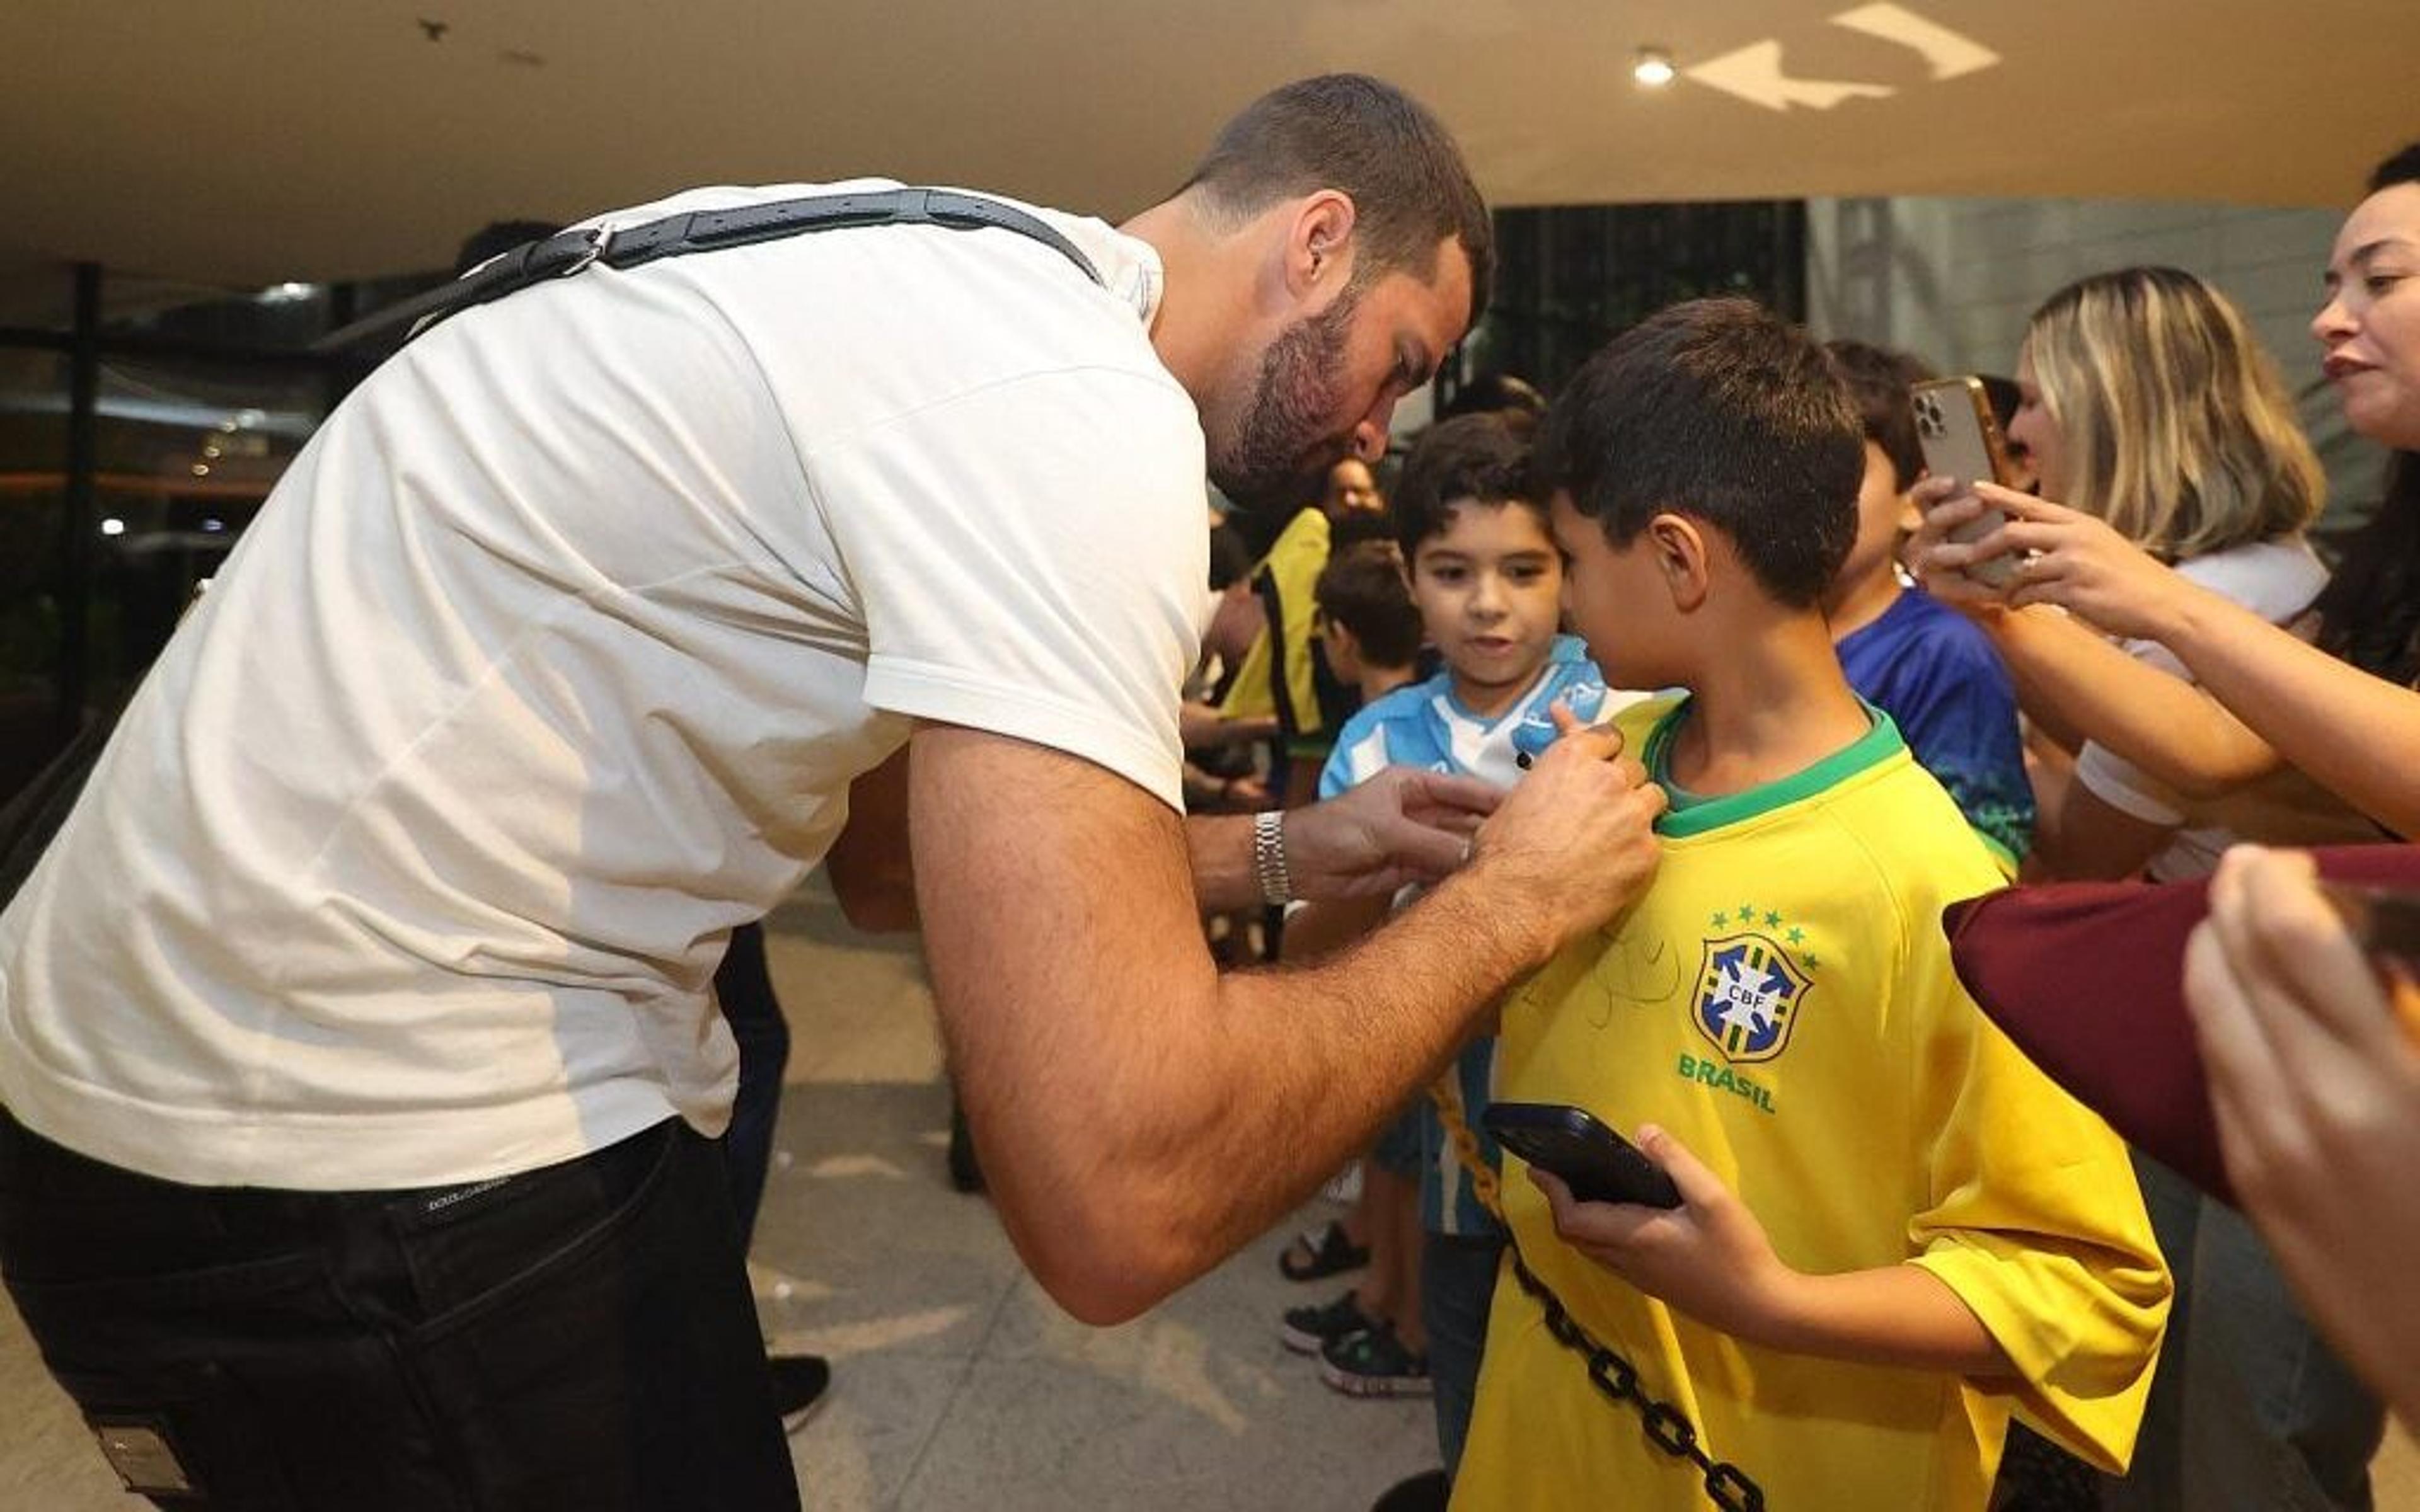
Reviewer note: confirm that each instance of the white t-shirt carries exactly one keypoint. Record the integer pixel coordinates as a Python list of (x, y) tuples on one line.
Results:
[(2276, 580), (550, 660)]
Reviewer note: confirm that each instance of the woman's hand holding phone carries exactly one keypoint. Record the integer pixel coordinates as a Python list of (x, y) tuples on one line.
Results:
[(2056, 555), (1955, 553)]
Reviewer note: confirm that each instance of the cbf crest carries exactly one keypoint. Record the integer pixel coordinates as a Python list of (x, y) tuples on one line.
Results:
[(1748, 995)]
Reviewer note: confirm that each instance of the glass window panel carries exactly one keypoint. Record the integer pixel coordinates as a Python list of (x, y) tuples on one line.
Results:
[(188, 451), (278, 317), (33, 454), (37, 293), (1570, 279)]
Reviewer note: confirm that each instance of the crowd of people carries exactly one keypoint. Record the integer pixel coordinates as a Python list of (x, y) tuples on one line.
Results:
[(2137, 694), (1638, 749)]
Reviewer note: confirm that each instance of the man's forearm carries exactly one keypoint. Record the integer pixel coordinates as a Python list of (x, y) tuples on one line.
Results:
[(1140, 1115), (1207, 1169), (1219, 848), (1314, 931)]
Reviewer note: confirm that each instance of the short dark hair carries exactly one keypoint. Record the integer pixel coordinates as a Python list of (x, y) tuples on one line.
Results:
[(1409, 186), (1496, 394), (1718, 410), (1231, 559), (1469, 458), (1362, 589), (2401, 168), (1878, 380)]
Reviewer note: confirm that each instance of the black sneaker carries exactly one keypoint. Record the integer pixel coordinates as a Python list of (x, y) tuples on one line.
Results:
[(799, 1383), (1310, 1330), (1427, 1491), (1374, 1363)]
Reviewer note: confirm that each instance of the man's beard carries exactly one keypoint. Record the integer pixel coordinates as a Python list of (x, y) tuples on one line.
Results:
[(1282, 448)]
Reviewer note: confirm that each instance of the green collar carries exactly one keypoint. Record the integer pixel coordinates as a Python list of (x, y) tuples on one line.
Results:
[(1698, 815)]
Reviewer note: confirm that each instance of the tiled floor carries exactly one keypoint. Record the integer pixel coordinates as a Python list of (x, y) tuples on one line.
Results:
[(960, 1387)]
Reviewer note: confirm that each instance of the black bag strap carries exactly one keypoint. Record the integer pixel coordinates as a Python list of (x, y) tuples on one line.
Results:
[(567, 252)]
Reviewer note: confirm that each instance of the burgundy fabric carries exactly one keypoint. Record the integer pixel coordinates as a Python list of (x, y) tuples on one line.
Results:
[(2088, 977)]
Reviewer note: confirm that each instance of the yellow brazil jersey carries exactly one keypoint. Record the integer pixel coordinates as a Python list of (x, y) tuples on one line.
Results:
[(1782, 1001)]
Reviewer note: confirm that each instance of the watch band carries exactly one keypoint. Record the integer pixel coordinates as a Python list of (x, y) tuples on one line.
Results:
[(1269, 857)]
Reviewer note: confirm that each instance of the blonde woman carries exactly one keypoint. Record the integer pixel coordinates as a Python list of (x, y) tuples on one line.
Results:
[(2147, 404), (2350, 723), (2155, 417)]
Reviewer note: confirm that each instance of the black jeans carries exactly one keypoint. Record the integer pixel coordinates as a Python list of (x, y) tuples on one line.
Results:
[(580, 1336)]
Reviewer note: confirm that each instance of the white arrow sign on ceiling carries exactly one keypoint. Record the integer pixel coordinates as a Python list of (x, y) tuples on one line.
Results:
[(1952, 53), (1754, 72)]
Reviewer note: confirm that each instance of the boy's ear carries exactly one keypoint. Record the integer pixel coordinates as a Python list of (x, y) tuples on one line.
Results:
[(1680, 559), (1910, 519)]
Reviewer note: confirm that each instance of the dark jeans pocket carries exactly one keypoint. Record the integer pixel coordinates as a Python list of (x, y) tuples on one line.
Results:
[(202, 1384), (612, 1359), (184, 1434), (474, 1247)]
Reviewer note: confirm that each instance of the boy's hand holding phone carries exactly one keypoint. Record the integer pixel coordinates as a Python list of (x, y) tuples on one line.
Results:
[(1709, 1257)]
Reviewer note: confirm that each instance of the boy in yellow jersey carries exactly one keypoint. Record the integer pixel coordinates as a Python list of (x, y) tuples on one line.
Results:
[(1895, 1231)]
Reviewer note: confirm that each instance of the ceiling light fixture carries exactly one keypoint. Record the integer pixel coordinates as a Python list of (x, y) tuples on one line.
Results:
[(1653, 68)]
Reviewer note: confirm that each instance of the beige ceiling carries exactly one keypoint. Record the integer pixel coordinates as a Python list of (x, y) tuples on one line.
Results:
[(255, 140)]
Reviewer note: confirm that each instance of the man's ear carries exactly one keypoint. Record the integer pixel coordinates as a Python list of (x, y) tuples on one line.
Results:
[(1681, 558), (1319, 246)]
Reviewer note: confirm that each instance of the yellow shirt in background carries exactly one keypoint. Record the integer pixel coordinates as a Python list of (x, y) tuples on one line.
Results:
[(1263, 685)]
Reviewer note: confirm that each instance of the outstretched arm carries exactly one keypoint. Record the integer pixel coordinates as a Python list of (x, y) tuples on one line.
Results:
[(1401, 827), (2069, 678), (2345, 729), (1139, 1116), (2349, 732)]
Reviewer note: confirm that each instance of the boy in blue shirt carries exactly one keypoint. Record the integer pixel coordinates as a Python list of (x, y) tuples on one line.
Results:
[(1486, 576), (1922, 663)]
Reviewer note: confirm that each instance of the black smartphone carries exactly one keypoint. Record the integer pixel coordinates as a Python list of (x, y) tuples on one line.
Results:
[(1598, 1164)]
